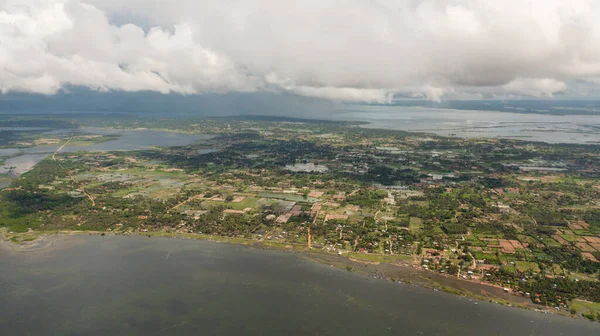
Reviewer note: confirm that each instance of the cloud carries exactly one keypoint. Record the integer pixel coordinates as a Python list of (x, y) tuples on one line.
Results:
[(345, 94), (358, 50), (545, 87), (342, 94), (433, 93), (52, 43)]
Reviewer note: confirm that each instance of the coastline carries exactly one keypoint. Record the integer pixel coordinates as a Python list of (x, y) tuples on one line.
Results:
[(384, 271), (170, 130)]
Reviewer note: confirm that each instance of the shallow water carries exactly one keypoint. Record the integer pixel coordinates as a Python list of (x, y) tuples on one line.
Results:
[(137, 140), (22, 163), (4, 152), (128, 140), (91, 285), (22, 129), (478, 124)]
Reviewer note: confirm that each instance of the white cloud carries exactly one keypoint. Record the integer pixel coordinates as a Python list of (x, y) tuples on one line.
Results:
[(434, 93), (358, 50), (70, 42)]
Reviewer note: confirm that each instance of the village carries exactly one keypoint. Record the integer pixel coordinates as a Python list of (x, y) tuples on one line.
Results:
[(522, 216)]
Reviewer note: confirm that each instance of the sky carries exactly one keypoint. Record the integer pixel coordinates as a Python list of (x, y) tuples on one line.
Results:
[(360, 51)]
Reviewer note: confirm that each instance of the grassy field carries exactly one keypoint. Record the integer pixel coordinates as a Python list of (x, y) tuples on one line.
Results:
[(4, 178), (415, 223), (248, 202), (510, 269), (524, 266), (582, 306), (583, 276), (569, 237), (551, 242)]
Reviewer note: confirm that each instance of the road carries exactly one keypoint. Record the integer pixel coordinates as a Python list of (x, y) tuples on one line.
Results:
[(81, 185)]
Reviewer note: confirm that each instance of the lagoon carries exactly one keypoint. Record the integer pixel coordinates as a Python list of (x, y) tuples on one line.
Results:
[(25, 159), (137, 139)]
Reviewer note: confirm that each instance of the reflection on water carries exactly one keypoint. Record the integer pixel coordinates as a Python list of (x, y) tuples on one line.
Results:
[(149, 286), (478, 124)]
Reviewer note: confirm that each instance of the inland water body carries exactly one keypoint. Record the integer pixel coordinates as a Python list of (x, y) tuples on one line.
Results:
[(19, 161), (92, 285)]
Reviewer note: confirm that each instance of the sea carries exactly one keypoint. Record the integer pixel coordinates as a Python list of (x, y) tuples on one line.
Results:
[(134, 285), (574, 129)]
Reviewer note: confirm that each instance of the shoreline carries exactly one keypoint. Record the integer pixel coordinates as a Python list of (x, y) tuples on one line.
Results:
[(384, 271), (170, 130)]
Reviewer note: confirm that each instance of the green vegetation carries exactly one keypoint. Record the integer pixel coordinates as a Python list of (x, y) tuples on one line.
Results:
[(455, 206), (589, 310)]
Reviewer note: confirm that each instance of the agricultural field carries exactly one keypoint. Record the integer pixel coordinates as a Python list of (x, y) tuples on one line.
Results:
[(463, 207)]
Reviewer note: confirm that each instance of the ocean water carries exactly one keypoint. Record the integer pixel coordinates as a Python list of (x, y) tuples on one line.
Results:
[(92, 285), (580, 129)]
